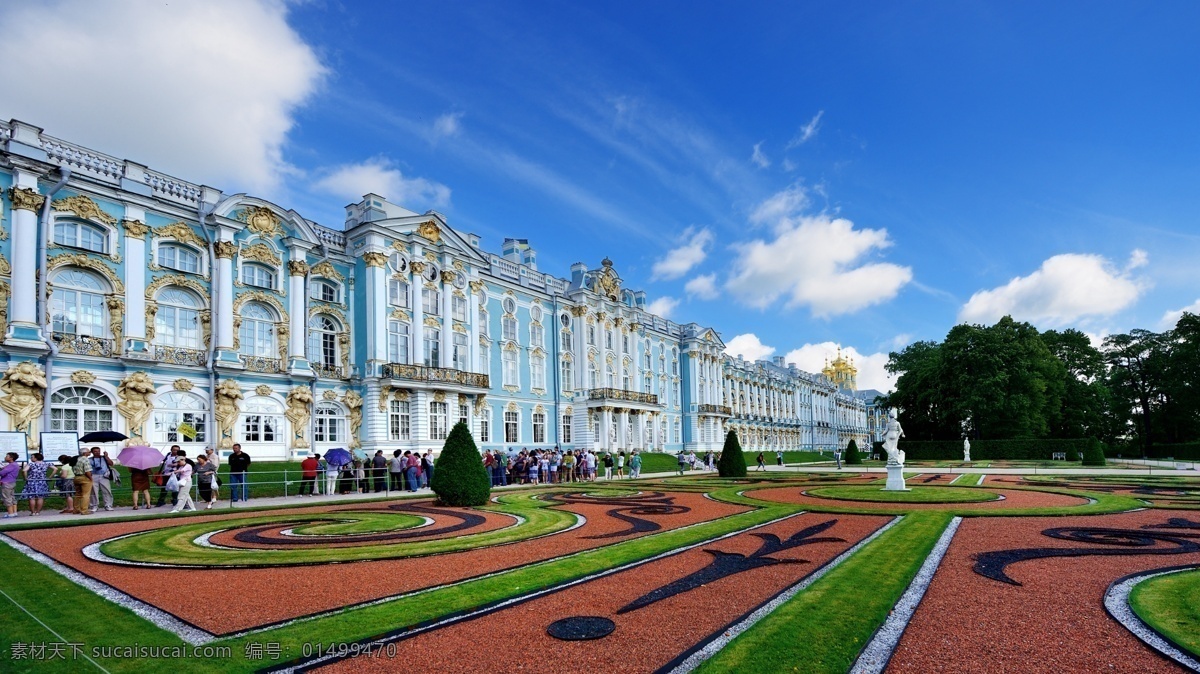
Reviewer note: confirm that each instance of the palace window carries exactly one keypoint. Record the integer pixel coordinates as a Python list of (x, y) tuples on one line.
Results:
[(565, 431), (508, 359), (485, 357), (262, 421), (329, 424), (399, 422), (509, 325), (460, 351), (539, 427), (537, 336), (608, 339), (433, 345), (438, 415), (326, 291), (591, 333), (397, 342), (181, 258), (323, 341), (646, 384), (77, 304), (592, 375), (177, 322), (257, 334), (625, 343), (567, 373), (537, 372), (625, 378), (512, 422), (464, 415), (431, 301), (173, 409), (609, 377), (485, 427), (81, 235), (398, 293), (483, 322), (82, 409), (258, 276), (458, 308)]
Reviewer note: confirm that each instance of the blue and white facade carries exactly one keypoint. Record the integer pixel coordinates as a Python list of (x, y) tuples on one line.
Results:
[(139, 302)]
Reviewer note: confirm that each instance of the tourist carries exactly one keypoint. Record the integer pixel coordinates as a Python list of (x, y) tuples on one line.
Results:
[(708, 461), (568, 464), (608, 465), (360, 474), (396, 472), (544, 467), (331, 476), (308, 474), (379, 471), (427, 468), (102, 473), (8, 483), (413, 469), (621, 464), (532, 462), (183, 481), (239, 464), (837, 457), (35, 472), (762, 462), (66, 483), (682, 461), (552, 466), (779, 457), (635, 465), (206, 477), (83, 482), (164, 471), (139, 479), (214, 457)]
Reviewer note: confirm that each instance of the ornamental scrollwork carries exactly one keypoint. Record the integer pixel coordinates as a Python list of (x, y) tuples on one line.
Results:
[(261, 220), (299, 405), (429, 230), (85, 208), (261, 252), (25, 199), (374, 259), (82, 377), (182, 385), (24, 389), (224, 250), (181, 232), (297, 267), (135, 229), (326, 270), (135, 392), (226, 410), (87, 262), (354, 404), (176, 280)]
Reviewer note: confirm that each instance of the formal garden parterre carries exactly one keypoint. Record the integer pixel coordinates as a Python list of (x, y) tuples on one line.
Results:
[(778, 571)]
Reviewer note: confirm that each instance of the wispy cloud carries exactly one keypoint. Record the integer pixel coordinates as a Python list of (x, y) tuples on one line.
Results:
[(1170, 318), (381, 176), (759, 157), (703, 287), (663, 306), (807, 132), (447, 125), (680, 260)]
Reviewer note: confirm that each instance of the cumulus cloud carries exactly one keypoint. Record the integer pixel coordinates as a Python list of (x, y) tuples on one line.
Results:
[(447, 125), (1170, 318), (872, 372), (1065, 289), (815, 261), (748, 346), (378, 175), (663, 306), (207, 91), (703, 287), (680, 261), (759, 158), (807, 132)]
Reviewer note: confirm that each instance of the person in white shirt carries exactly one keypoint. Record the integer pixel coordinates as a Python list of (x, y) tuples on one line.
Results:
[(183, 477)]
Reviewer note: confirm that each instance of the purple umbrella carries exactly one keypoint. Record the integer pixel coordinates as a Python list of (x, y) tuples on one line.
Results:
[(140, 457)]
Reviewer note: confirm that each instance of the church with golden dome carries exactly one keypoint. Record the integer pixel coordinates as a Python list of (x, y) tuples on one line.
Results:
[(841, 372)]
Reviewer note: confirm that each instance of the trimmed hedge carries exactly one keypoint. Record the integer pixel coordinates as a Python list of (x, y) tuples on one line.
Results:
[(1025, 449), (1186, 451), (1093, 454), (852, 456), (459, 478), (733, 462)]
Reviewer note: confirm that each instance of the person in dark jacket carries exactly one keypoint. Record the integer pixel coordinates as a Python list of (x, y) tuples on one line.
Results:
[(379, 470), (239, 465)]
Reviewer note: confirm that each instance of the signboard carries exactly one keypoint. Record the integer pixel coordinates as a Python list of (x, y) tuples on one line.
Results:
[(55, 443), (14, 441)]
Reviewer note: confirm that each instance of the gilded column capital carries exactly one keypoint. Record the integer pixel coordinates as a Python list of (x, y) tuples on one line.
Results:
[(135, 229), (25, 199), (374, 259), (297, 267), (225, 249)]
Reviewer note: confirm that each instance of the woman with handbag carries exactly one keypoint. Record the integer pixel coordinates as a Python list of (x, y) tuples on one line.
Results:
[(140, 478), (206, 480), (183, 484)]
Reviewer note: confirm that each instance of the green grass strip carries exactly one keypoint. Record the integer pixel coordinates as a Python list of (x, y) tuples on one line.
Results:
[(1171, 605), (916, 494), (823, 628)]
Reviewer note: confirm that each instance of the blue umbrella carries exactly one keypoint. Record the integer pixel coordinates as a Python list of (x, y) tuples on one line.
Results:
[(337, 457)]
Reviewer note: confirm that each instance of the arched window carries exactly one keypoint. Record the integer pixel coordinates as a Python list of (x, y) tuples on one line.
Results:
[(625, 377), (483, 321), (262, 421), (177, 322), (609, 377), (458, 308), (433, 347), (323, 341), (591, 334), (258, 275), (80, 408), (81, 235), (537, 336), (537, 372), (179, 257), (567, 374), (77, 303), (398, 342), (329, 423), (176, 408), (460, 351), (257, 335), (509, 360), (324, 290), (592, 375), (398, 293)]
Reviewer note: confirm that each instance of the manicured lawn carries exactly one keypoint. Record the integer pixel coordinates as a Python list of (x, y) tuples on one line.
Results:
[(916, 494), (1171, 605)]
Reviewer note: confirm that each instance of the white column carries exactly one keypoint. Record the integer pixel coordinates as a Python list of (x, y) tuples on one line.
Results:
[(579, 334), (606, 429), (223, 290), (23, 307), (416, 285), (473, 364), (447, 324), (135, 275), (296, 295), (377, 308)]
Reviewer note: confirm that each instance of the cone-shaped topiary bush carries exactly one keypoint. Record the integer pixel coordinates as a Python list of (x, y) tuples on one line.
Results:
[(733, 462), (459, 478), (1093, 454), (852, 456)]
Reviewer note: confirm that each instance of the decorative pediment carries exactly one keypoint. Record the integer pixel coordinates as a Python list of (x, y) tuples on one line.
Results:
[(261, 220), (181, 232), (327, 270), (176, 280), (83, 260), (261, 252), (85, 208)]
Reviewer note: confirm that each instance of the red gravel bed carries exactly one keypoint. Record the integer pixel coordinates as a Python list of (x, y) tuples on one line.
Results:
[(279, 594), (515, 639), (1012, 499), (1054, 622)]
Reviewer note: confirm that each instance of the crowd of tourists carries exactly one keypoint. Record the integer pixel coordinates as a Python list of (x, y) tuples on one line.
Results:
[(556, 466)]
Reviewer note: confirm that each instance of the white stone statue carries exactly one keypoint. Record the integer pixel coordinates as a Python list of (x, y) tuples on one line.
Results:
[(966, 450), (891, 439)]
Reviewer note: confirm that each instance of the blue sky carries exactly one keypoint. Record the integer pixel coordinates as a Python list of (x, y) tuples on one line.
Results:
[(795, 175)]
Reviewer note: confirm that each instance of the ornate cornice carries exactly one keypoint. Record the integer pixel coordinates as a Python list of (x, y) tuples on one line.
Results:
[(25, 199), (135, 229), (87, 262), (476, 286), (374, 259), (84, 207), (265, 298), (400, 315), (578, 311), (225, 250), (176, 280), (417, 266), (432, 322)]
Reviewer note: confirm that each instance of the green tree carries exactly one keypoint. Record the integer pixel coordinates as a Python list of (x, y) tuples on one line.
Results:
[(459, 478), (1180, 416), (733, 462), (852, 456), (919, 394), (1138, 363), (1087, 401)]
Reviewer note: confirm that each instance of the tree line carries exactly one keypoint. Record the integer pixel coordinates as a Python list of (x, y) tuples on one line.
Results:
[(1010, 381)]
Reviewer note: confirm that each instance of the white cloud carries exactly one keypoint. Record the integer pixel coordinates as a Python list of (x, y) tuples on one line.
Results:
[(748, 346), (807, 132), (206, 91), (447, 125), (1137, 259), (814, 261), (872, 372), (1170, 318), (759, 158), (900, 341), (703, 287), (680, 261), (663, 306), (378, 175), (1065, 289)]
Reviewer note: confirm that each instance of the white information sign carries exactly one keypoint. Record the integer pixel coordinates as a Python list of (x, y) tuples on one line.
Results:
[(55, 443), (14, 441)]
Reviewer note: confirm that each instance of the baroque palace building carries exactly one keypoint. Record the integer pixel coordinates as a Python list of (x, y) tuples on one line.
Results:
[(135, 301)]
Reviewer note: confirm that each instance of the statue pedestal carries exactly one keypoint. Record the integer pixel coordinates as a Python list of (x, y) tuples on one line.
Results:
[(895, 478)]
